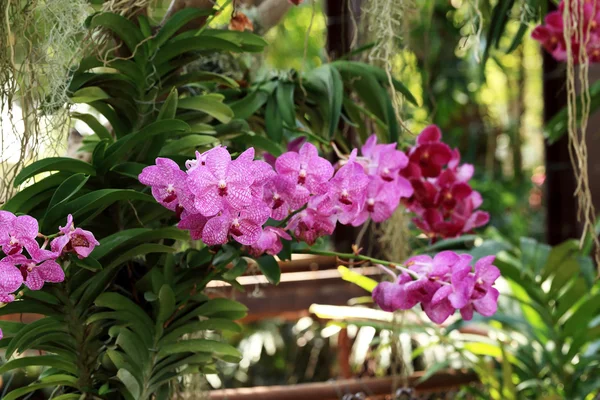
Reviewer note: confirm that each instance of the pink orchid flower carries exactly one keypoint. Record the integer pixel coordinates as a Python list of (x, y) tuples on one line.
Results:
[(74, 240), (166, 180)]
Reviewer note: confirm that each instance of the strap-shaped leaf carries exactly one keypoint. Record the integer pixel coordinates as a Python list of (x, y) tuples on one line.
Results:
[(169, 107), (68, 189), (132, 346), (247, 41), (95, 201), (64, 164), (199, 346), (31, 331), (329, 82), (89, 95), (130, 237), (15, 203), (166, 304), (124, 29), (17, 393), (274, 119), (270, 269), (250, 104), (43, 361), (140, 250), (131, 384), (359, 69), (189, 143), (121, 147), (130, 169), (285, 100), (213, 324), (94, 125), (212, 308), (178, 81), (211, 104), (178, 47), (176, 22)]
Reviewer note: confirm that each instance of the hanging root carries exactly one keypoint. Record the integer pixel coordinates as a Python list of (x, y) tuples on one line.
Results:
[(393, 236), (572, 15), (39, 41), (384, 21)]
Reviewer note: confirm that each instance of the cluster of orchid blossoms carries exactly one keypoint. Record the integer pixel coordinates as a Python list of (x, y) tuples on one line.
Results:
[(219, 199), (442, 285), (444, 203), (258, 203), (26, 262), (585, 16)]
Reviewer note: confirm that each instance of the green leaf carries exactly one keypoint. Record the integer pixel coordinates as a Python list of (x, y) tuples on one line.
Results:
[(167, 302), (124, 29), (140, 250), (89, 95), (359, 280), (260, 142), (129, 237), (68, 189), (94, 201), (211, 104), (189, 142), (120, 148), (67, 396), (17, 393), (195, 77), (118, 302), (178, 47), (285, 101), (16, 203), (269, 267), (176, 22), (212, 324), (131, 384), (199, 346), (359, 69), (169, 107), (64, 164), (518, 38), (498, 23), (39, 360), (88, 263), (250, 104), (240, 265), (94, 125), (130, 169), (330, 80), (213, 308), (273, 120), (32, 331)]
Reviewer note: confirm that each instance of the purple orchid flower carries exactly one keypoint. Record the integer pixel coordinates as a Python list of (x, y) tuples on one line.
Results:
[(310, 224), (166, 180), (283, 196), (305, 168), (74, 240), (381, 202), (17, 233), (11, 280), (269, 242), (243, 226), (221, 184)]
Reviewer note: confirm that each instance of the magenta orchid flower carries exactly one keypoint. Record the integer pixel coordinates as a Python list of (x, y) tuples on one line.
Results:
[(269, 242), (305, 168), (381, 202), (74, 240), (283, 196), (245, 226), (166, 180), (194, 223), (310, 224), (221, 184), (17, 233), (11, 280), (35, 272)]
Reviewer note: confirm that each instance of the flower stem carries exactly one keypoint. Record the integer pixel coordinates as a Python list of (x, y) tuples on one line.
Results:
[(352, 256)]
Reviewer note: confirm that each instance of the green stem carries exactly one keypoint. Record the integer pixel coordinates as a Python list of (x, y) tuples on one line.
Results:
[(285, 221), (351, 256)]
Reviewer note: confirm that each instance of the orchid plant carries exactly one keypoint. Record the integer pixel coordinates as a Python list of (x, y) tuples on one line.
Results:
[(188, 183)]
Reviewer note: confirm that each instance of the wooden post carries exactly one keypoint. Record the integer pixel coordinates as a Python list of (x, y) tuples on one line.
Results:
[(561, 205)]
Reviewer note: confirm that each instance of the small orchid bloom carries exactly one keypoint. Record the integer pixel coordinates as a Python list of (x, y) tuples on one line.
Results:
[(293, 145), (484, 297), (221, 184), (383, 159), (430, 154), (346, 192), (17, 233), (200, 159), (194, 223), (35, 272), (305, 168), (310, 224), (10, 281), (392, 296), (429, 270), (283, 196), (269, 242), (381, 202), (73, 240), (243, 226), (449, 197), (456, 172), (166, 180)]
